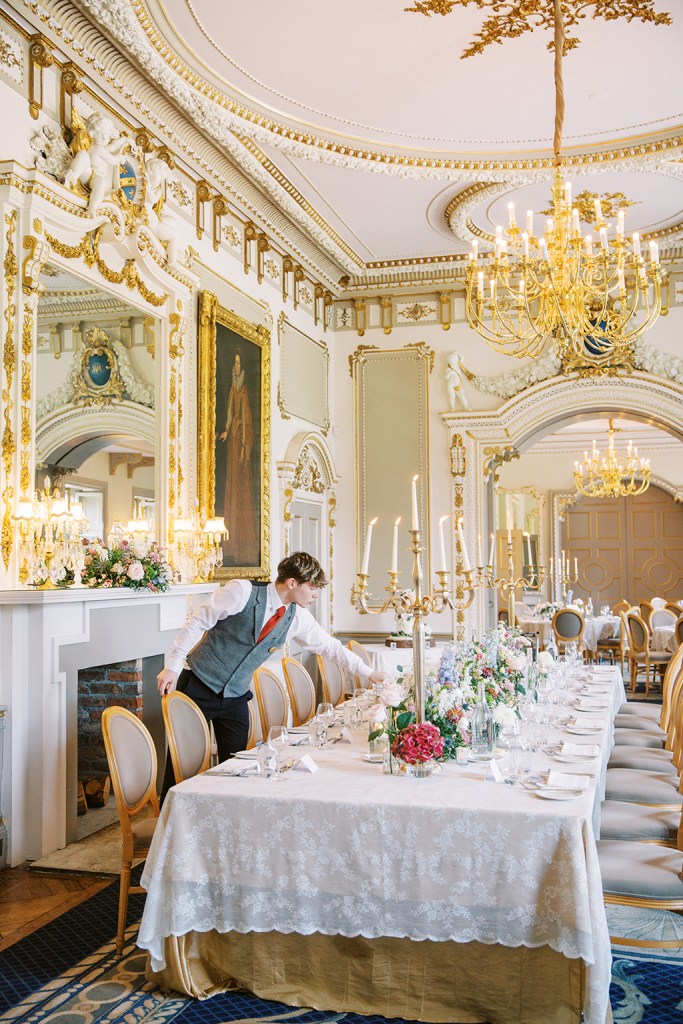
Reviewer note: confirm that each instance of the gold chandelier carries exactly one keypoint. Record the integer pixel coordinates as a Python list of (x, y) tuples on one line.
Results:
[(595, 294), (611, 475)]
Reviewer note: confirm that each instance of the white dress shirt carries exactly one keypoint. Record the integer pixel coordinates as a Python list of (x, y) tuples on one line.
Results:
[(232, 599)]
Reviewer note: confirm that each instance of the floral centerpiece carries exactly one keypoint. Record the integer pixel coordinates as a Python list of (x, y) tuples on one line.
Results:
[(126, 566), (499, 659), (418, 744), (546, 609)]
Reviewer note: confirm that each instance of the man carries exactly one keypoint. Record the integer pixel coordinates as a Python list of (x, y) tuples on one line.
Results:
[(235, 631)]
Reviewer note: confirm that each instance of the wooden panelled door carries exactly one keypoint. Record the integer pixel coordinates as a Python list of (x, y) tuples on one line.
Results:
[(626, 547)]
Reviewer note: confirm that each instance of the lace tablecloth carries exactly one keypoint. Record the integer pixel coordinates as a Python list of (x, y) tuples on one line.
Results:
[(351, 851), (663, 639), (600, 627)]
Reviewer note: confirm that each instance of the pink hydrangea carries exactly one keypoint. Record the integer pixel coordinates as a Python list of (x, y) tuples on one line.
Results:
[(418, 743)]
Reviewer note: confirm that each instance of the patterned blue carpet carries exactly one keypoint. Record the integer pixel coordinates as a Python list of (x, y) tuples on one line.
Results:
[(65, 974)]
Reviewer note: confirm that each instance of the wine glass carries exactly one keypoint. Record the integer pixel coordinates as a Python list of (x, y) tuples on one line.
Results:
[(278, 738), (325, 711)]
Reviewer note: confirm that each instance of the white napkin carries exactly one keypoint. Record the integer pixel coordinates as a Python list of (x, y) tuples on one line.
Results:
[(561, 780), (584, 749), (594, 724), (594, 687), (601, 670), (305, 764), (592, 704)]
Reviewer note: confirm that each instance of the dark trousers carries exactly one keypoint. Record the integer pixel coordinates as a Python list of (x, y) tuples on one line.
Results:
[(230, 717)]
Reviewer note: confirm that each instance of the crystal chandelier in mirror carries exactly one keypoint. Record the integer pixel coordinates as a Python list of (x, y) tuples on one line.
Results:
[(612, 475), (577, 290)]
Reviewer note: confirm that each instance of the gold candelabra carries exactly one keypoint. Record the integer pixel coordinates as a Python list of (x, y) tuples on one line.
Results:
[(197, 545), (416, 603), (567, 577), (485, 576), (49, 532)]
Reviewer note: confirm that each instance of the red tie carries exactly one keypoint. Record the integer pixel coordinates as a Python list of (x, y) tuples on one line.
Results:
[(271, 623)]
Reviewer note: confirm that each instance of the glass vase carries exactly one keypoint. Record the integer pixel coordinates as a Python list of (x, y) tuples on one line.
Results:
[(419, 770)]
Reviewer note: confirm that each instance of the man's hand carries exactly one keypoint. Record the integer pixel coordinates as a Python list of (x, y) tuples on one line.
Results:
[(166, 681), (379, 677)]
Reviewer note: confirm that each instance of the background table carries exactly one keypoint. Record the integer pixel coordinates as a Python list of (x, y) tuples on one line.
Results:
[(351, 852), (664, 639), (392, 659), (600, 627)]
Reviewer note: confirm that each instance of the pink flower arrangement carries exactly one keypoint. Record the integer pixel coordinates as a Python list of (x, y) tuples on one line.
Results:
[(418, 743)]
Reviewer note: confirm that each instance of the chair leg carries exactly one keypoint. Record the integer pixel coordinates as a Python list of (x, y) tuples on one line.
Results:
[(126, 868), (647, 677), (632, 670)]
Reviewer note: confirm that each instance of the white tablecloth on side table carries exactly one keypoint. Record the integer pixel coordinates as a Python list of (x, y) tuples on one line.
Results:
[(664, 639), (600, 627), (350, 851), (393, 659)]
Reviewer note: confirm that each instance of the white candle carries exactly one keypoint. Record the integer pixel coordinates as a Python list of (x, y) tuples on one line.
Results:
[(525, 243), (465, 557), (564, 560), (568, 193), (528, 549), (491, 551), (603, 239), (480, 283), (576, 567), (620, 224), (636, 244), (598, 209), (475, 248), (443, 564), (511, 214), (508, 517), (366, 553), (551, 571), (576, 227), (530, 222), (415, 519), (588, 241), (479, 560), (394, 547)]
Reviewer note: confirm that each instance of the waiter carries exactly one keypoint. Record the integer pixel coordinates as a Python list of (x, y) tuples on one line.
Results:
[(235, 631)]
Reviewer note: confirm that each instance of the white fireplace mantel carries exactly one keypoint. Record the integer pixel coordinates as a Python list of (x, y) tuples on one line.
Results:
[(45, 638)]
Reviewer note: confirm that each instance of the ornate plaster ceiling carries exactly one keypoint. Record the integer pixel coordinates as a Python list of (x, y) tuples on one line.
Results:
[(368, 114)]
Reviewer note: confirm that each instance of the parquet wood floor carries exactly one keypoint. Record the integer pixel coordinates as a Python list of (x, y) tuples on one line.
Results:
[(30, 899)]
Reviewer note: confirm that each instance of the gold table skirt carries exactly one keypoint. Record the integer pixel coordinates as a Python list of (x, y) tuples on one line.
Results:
[(441, 982)]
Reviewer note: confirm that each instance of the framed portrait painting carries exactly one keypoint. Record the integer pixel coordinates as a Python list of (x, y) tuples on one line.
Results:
[(234, 435)]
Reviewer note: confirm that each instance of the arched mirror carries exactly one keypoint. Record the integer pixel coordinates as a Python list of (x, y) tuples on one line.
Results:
[(95, 416)]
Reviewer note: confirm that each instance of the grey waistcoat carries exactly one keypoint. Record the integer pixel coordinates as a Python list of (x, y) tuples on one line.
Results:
[(229, 653)]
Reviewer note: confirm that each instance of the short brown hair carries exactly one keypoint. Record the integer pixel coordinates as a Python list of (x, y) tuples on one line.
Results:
[(303, 568)]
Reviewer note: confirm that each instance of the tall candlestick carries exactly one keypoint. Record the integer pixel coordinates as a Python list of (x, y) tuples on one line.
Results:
[(394, 547), (443, 564), (479, 560), (366, 553), (415, 520), (508, 518), (465, 556)]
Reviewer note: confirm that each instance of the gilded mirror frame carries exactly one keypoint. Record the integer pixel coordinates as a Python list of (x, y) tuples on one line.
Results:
[(223, 335)]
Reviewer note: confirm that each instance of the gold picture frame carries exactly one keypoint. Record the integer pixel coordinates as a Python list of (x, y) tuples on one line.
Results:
[(234, 435)]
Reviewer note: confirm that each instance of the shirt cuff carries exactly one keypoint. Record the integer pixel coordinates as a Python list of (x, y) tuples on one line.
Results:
[(175, 664)]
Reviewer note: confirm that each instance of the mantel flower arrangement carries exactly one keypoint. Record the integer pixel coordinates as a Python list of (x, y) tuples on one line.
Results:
[(126, 566)]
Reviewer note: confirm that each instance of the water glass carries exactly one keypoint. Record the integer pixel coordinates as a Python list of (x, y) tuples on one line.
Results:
[(325, 711), (278, 738), (267, 761), (353, 715), (317, 732)]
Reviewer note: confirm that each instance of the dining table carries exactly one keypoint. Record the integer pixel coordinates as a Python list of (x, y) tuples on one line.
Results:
[(664, 639), (597, 628), (457, 897)]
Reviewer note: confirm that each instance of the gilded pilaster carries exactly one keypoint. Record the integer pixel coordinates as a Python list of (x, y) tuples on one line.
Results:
[(9, 362)]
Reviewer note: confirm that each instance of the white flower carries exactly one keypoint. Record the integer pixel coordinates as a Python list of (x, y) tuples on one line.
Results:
[(135, 571), (377, 715), (463, 725), (117, 568), (517, 662), (504, 716), (392, 694)]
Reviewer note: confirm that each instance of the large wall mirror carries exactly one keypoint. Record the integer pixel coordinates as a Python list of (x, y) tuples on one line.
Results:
[(519, 518), (95, 418)]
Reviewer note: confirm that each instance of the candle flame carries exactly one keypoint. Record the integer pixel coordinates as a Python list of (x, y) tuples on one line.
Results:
[(444, 518), (398, 521), (373, 521), (416, 478)]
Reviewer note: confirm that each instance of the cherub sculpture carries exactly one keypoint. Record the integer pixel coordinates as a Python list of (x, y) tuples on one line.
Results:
[(97, 163), (454, 374), (160, 223)]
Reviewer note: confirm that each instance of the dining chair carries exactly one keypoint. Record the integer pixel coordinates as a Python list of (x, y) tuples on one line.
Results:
[(658, 603), (678, 630), (643, 874), (568, 626), (662, 617), (301, 690), (332, 680), (132, 763), (652, 756), (640, 655), (621, 606), (671, 606), (362, 652), (188, 736), (646, 610), (255, 732), (271, 697), (614, 646)]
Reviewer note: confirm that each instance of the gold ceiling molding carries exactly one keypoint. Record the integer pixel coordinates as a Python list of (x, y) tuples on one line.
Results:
[(512, 19), (366, 152)]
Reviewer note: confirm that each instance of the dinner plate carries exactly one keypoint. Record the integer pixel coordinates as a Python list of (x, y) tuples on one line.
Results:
[(572, 758), (583, 730), (558, 794), (374, 758), (247, 755), (298, 729)]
